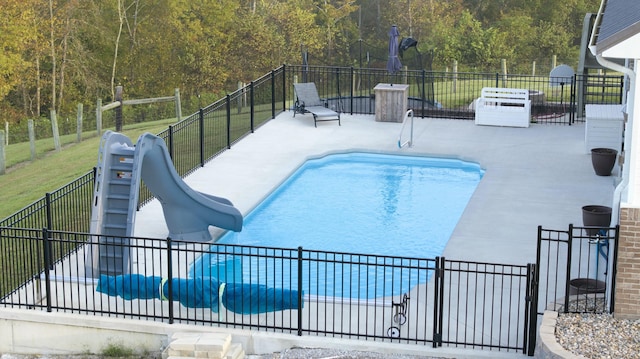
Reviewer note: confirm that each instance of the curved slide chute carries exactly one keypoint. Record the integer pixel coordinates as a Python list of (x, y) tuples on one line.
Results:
[(188, 213), (121, 168)]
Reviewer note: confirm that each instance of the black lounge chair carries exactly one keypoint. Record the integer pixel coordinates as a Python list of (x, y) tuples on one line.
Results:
[(308, 101)]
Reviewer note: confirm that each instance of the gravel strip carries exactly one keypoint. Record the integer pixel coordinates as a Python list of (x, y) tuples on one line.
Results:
[(598, 335), (305, 353)]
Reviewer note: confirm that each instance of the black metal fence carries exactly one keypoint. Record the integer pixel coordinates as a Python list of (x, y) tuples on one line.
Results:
[(577, 269), (451, 95), (432, 302)]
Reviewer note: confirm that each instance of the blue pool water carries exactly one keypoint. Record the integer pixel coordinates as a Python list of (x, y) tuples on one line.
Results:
[(385, 205)]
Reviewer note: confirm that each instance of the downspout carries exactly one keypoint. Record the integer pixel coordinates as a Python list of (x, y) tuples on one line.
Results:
[(622, 186)]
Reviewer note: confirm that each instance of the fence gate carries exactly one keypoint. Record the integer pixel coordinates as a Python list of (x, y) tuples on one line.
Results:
[(486, 305), (576, 269)]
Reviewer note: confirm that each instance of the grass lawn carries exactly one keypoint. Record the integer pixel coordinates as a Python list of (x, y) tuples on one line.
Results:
[(26, 181)]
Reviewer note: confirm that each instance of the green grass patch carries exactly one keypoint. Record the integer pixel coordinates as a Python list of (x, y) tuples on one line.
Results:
[(27, 181), (117, 351)]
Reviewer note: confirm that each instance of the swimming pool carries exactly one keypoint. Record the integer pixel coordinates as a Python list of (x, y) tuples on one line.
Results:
[(377, 204)]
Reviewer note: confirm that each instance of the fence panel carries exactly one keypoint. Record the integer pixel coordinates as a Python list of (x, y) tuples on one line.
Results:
[(575, 269), (66, 209), (303, 292), (368, 296), (485, 305), (22, 255), (452, 94), (602, 89), (70, 206), (184, 145), (264, 97)]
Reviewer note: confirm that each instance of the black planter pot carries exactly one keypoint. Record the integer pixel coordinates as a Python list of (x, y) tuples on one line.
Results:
[(603, 160), (596, 216)]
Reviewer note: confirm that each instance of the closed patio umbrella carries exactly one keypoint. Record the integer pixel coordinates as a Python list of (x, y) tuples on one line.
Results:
[(393, 64)]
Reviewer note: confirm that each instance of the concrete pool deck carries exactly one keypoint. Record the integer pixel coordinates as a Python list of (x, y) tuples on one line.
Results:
[(541, 175)]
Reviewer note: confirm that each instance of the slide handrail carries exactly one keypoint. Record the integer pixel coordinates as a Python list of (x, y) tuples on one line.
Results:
[(404, 123)]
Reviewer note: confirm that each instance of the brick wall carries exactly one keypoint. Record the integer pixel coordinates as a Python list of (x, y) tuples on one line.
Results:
[(627, 296)]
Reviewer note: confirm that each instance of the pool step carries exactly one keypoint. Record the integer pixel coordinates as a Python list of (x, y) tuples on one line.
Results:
[(202, 345)]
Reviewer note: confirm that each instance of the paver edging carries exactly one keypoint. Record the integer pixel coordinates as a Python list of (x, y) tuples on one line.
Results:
[(547, 346)]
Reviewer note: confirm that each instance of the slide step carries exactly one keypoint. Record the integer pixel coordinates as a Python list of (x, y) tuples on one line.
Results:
[(114, 210)]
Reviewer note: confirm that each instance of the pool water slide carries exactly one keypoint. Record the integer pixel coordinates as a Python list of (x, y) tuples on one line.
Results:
[(121, 167)]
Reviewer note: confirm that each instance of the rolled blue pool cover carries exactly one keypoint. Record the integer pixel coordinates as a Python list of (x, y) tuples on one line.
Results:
[(201, 292)]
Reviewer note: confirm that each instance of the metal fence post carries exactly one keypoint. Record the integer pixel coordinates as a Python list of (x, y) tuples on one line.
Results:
[(284, 88), (438, 301), (572, 100), (47, 266), (424, 94), (47, 198), (531, 311), (252, 106), (338, 87), (273, 94), (614, 269), (351, 85), (621, 87), (169, 281), (228, 107), (568, 269), (170, 144), (201, 130), (300, 291), (538, 258)]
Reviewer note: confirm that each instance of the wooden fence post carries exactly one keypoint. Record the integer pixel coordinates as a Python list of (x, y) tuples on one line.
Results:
[(3, 163), (99, 116), (533, 70), (455, 76), (54, 130), (178, 105), (32, 139), (503, 63), (119, 109), (79, 124)]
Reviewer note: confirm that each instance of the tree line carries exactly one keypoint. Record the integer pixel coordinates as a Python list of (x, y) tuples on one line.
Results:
[(58, 53)]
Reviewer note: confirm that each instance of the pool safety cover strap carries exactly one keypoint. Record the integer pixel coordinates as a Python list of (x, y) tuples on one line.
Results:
[(201, 292)]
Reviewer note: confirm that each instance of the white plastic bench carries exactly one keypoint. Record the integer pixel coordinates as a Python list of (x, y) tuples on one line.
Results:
[(503, 107)]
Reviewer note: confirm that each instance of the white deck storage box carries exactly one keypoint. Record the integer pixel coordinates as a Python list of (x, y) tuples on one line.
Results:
[(604, 127)]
